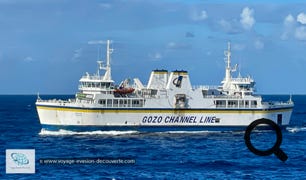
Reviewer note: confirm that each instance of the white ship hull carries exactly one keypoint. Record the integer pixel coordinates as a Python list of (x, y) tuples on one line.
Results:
[(168, 102), (73, 118)]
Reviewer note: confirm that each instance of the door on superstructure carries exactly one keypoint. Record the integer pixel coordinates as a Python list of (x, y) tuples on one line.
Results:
[(180, 101)]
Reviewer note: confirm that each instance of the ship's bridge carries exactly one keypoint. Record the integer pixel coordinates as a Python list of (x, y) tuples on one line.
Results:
[(95, 83), (235, 86), (243, 84)]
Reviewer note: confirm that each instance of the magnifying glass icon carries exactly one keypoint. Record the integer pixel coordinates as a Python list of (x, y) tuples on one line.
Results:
[(275, 149)]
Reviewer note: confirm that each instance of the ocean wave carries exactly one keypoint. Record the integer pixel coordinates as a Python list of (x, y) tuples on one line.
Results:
[(62, 132), (295, 129), (189, 132)]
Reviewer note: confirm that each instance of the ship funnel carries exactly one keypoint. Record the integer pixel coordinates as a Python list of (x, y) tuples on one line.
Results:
[(158, 79), (179, 80)]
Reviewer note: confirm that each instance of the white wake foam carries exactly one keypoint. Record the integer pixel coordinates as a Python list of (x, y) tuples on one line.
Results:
[(190, 132), (62, 132), (295, 129)]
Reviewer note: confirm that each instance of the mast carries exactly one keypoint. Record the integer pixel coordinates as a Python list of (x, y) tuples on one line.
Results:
[(228, 61), (107, 75)]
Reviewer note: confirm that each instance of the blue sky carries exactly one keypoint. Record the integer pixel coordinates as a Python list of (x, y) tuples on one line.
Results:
[(46, 46)]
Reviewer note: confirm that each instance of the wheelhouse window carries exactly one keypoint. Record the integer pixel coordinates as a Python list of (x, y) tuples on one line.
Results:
[(232, 103), (253, 103), (115, 104), (109, 103), (241, 103), (246, 103), (220, 103), (102, 101)]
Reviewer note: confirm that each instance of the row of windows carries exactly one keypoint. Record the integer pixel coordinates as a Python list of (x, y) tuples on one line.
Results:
[(121, 102), (96, 84), (235, 103)]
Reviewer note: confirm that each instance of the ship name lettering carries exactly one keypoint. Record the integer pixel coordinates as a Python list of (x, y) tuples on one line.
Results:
[(208, 119), (180, 119), (152, 119)]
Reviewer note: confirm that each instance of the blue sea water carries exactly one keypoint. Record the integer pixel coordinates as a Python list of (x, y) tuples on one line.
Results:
[(167, 155)]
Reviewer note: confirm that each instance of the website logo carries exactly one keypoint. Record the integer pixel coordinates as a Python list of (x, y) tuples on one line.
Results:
[(20, 161), (19, 158)]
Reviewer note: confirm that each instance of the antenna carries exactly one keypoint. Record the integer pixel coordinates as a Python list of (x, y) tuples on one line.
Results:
[(227, 58), (228, 55), (234, 68), (100, 66), (109, 51)]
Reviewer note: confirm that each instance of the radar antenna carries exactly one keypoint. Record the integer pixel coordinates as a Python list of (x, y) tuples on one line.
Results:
[(107, 67)]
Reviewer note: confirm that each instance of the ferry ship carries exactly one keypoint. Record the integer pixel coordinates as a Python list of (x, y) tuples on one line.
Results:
[(167, 103)]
